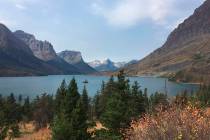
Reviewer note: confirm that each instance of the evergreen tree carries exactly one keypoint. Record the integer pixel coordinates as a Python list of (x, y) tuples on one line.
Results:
[(20, 99), (102, 87), (96, 105), (85, 100), (11, 116), (27, 110), (1, 101), (72, 97), (106, 92), (3, 120), (136, 101), (61, 129), (123, 83), (79, 123), (71, 124), (60, 97), (114, 115)]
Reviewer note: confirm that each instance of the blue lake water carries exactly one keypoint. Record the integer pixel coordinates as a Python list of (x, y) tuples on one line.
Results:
[(33, 86)]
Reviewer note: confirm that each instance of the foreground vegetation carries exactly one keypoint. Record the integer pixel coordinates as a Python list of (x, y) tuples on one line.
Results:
[(122, 110)]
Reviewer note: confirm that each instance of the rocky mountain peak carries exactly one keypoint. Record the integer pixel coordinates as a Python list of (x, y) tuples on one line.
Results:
[(196, 25), (7, 38), (72, 57), (41, 49)]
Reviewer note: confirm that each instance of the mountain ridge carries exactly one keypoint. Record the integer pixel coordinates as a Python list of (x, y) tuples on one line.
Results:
[(187, 49), (16, 59), (44, 50)]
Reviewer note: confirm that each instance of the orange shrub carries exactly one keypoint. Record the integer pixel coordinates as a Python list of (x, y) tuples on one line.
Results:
[(189, 123)]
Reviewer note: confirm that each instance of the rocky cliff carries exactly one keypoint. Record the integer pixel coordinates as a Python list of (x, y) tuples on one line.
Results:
[(41, 49), (75, 58)]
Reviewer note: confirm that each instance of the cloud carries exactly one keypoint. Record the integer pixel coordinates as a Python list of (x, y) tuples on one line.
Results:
[(20, 6), (25, 4), (131, 12)]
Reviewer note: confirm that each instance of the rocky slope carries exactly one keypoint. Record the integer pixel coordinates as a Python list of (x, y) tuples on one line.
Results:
[(45, 51), (41, 49), (16, 58), (187, 49), (75, 58)]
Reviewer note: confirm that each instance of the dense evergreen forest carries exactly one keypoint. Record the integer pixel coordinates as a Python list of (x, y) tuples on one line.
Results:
[(69, 114)]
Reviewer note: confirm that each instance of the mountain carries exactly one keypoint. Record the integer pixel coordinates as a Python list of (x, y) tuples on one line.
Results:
[(108, 65), (45, 51), (186, 51), (75, 58), (41, 49), (16, 58)]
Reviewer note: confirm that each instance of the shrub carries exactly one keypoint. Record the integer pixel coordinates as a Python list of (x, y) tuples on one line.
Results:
[(189, 123)]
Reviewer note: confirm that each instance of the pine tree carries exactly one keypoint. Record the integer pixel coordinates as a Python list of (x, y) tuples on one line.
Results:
[(102, 87), (85, 100), (114, 115), (79, 123), (60, 97), (12, 115), (3, 120), (96, 105), (20, 99), (1, 100), (61, 129), (123, 83), (72, 97), (27, 110), (71, 124)]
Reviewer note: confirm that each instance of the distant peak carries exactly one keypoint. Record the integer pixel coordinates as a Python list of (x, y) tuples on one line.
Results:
[(4, 28), (1, 24), (70, 51), (72, 57), (19, 31)]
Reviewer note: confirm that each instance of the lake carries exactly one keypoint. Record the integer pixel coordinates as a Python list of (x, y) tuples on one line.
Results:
[(33, 86)]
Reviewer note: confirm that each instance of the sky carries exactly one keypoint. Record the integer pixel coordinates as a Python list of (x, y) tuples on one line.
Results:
[(121, 30)]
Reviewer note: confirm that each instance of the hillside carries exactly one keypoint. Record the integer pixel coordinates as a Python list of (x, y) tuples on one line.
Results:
[(16, 58), (186, 51)]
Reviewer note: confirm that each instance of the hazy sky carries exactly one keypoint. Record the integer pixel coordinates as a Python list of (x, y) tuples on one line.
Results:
[(117, 29)]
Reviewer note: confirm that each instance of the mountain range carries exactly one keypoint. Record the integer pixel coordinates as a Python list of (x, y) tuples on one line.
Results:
[(21, 54), (185, 56), (108, 65)]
